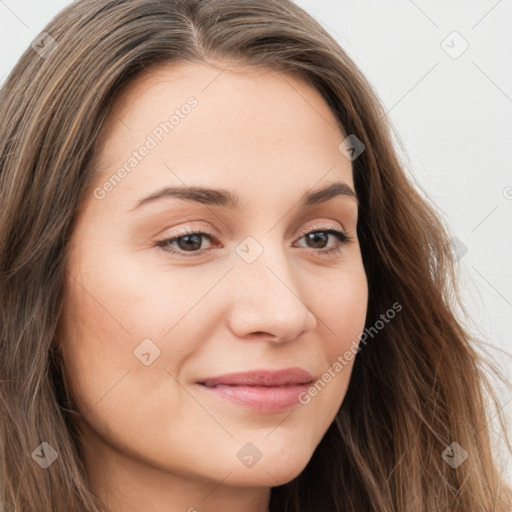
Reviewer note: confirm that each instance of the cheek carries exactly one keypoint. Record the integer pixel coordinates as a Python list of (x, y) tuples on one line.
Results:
[(118, 310), (111, 371), (341, 306), (96, 345)]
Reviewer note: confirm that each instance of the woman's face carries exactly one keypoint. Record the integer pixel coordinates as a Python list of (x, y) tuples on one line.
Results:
[(145, 322)]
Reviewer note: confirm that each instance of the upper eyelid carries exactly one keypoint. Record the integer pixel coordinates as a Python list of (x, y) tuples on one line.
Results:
[(204, 233), (319, 226)]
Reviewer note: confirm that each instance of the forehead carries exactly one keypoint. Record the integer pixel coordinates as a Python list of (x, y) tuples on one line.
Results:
[(235, 82), (249, 127)]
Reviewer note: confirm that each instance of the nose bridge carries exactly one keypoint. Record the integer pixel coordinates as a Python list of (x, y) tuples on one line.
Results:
[(264, 262), (267, 298)]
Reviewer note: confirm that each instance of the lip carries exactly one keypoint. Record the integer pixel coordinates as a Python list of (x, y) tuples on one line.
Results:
[(266, 391)]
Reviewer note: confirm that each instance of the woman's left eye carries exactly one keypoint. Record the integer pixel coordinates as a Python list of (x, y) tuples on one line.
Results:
[(190, 241)]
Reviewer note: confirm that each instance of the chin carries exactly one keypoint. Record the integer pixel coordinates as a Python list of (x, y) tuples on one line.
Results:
[(271, 471)]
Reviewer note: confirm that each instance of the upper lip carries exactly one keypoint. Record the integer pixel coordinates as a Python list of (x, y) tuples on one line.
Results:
[(269, 378)]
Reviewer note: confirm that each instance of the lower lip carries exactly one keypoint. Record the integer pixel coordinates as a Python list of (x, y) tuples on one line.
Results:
[(262, 399)]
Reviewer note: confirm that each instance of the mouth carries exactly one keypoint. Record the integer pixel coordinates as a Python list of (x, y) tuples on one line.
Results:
[(263, 391)]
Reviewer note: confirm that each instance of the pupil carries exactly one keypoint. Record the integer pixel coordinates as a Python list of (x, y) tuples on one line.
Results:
[(318, 235), (195, 245)]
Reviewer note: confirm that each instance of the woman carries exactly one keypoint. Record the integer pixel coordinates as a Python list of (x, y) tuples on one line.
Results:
[(219, 290)]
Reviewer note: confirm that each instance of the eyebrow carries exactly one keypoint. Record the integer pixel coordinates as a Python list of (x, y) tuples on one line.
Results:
[(227, 199)]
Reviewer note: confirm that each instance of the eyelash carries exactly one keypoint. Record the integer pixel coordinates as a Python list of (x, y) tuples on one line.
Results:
[(342, 236)]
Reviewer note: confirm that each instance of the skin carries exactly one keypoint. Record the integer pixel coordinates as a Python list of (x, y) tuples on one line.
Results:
[(154, 440)]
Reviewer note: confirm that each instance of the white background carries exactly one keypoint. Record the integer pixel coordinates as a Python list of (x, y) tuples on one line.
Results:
[(454, 116)]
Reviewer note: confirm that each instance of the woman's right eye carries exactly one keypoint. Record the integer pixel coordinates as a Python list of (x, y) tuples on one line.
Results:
[(188, 240)]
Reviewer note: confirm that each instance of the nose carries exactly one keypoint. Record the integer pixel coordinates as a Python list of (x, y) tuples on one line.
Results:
[(267, 299)]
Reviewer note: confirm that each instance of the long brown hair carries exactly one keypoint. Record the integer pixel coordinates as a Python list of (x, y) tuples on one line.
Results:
[(417, 386)]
